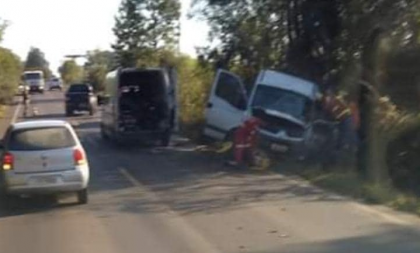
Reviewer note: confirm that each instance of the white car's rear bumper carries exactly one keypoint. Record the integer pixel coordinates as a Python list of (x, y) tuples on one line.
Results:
[(44, 183)]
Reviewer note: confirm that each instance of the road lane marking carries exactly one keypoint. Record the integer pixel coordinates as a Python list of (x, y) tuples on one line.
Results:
[(177, 223), (16, 113), (130, 178)]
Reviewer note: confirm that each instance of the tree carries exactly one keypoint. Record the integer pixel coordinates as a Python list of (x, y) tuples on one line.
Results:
[(10, 73), (10, 70), (315, 39), (249, 34), (98, 64), (143, 26), (71, 72), (99, 57), (36, 61)]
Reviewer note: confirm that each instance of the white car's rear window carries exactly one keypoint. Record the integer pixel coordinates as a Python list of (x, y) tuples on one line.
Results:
[(45, 138)]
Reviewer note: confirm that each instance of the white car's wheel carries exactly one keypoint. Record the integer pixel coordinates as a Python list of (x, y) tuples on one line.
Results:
[(82, 196)]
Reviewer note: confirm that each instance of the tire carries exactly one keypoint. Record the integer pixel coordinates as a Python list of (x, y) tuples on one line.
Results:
[(261, 160), (82, 197)]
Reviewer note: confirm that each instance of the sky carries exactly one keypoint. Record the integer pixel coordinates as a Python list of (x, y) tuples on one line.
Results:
[(62, 27)]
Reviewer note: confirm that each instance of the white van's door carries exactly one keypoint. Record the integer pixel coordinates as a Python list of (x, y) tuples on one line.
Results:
[(226, 106)]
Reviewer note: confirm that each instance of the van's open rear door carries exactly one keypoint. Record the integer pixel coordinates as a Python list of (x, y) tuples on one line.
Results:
[(173, 77), (226, 106)]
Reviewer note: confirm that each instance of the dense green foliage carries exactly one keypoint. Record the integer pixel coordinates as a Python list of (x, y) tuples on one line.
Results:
[(10, 71), (316, 39), (98, 64), (194, 86), (71, 72)]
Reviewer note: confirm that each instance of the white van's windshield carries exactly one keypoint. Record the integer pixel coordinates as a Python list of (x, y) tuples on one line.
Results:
[(281, 100), (32, 76)]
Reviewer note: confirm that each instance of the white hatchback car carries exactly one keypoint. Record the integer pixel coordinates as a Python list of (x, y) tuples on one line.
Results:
[(43, 157)]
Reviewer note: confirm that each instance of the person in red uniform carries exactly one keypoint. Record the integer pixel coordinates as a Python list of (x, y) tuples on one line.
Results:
[(245, 142)]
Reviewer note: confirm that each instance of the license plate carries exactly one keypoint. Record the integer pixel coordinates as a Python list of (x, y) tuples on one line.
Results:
[(279, 148), (45, 180)]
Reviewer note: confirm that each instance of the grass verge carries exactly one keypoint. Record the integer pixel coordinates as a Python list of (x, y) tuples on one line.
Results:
[(349, 183)]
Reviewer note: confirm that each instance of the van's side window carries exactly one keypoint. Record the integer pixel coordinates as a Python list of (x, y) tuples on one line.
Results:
[(230, 90)]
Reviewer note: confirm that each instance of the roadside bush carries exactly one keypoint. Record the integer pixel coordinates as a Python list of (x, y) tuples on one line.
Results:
[(194, 87), (398, 144), (403, 158), (10, 71)]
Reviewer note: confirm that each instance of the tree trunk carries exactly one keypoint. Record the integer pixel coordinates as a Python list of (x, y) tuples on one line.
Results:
[(372, 156)]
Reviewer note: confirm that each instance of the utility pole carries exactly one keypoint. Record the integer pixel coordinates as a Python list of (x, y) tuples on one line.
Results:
[(75, 56)]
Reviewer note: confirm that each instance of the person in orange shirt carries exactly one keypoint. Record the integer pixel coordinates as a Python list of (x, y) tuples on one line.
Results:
[(347, 117)]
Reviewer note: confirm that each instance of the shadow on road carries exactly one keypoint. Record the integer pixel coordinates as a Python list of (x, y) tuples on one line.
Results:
[(187, 181), (16, 206), (38, 101)]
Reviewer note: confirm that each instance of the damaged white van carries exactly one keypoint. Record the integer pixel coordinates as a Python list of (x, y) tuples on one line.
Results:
[(286, 104)]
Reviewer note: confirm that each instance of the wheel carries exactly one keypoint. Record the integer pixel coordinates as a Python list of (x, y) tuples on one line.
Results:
[(82, 196), (166, 139), (260, 160)]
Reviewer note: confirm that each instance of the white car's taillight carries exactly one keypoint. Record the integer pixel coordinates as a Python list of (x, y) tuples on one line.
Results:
[(8, 160), (79, 157)]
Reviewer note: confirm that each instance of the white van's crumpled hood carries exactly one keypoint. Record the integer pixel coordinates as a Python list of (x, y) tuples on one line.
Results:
[(282, 115)]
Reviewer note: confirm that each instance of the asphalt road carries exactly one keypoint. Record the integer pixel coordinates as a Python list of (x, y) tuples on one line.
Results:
[(171, 200)]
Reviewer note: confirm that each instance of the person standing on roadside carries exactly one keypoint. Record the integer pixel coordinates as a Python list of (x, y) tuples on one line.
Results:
[(26, 101), (345, 115)]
